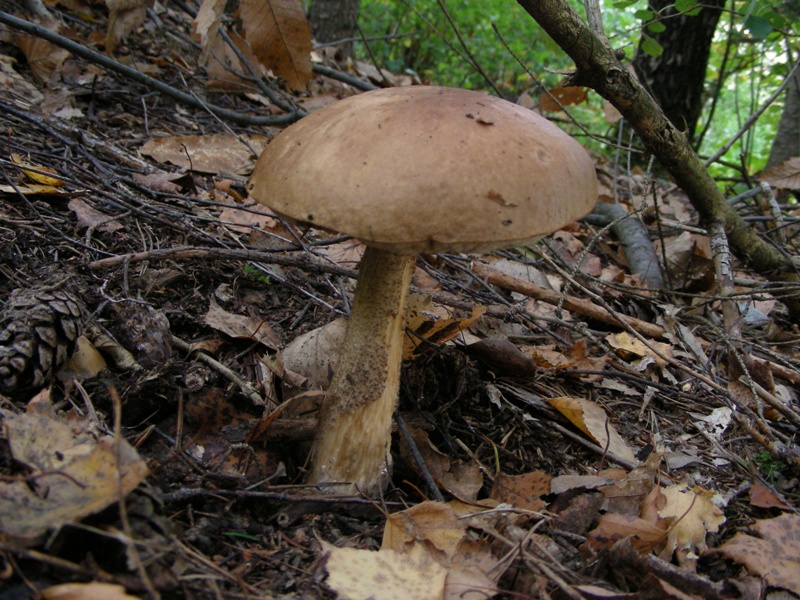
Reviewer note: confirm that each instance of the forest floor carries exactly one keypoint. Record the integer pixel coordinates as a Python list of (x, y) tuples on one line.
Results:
[(574, 453)]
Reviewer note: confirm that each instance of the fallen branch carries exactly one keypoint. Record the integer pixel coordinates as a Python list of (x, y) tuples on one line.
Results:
[(636, 244), (580, 306)]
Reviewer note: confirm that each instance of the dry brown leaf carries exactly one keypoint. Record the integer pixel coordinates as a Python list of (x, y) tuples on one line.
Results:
[(691, 516), (565, 483), (441, 529), (612, 527), (86, 362), (386, 575), (313, 354), (206, 24), (626, 496), (631, 348), (523, 491), (18, 87), (280, 36), (561, 96), (44, 58), (689, 261), (593, 421), (784, 176), (432, 324), (432, 522), (168, 183), (224, 153), (774, 555), (88, 216), (73, 473), (32, 189), (764, 497), (238, 219), (86, 591), (123, 17), (241, 326), (460, 478)]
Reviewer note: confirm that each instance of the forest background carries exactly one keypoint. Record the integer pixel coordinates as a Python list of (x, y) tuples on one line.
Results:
[(711, 65)]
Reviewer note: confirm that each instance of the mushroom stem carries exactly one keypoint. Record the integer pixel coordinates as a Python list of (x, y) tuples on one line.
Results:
[(353, 443)]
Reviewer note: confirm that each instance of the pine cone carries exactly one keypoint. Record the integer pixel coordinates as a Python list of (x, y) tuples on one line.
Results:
[(38, 330)]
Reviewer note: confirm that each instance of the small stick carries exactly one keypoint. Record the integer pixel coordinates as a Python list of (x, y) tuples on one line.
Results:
[(577, 305)]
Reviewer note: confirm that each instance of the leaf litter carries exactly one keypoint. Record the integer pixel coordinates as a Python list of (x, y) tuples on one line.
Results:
[(576, 454)]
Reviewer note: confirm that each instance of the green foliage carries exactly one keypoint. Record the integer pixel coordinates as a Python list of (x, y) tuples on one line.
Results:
[(257, 275), (415, 36), (770, 467)]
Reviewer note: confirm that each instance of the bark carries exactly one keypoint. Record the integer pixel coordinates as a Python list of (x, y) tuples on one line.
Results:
[(334, 20), (787, 139), (677, 78), (599, 68)]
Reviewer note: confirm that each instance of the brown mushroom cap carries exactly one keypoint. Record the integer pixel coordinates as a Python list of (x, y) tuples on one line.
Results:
[(427, 169)]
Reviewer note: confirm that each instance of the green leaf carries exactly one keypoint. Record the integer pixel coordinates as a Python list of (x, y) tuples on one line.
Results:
[(656, 27), (694, 12), (624, 3), (775, 19), (685, 5), (644, 14), (758, 27), (652, 47)]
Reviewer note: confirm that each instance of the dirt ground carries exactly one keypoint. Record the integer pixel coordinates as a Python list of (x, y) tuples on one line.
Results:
[(163, 262)]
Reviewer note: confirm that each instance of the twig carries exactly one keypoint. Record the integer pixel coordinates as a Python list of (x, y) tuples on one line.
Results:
[(412, 446), (146, 80), (577, 305), (244, 386), (187, 252), (123, 507)]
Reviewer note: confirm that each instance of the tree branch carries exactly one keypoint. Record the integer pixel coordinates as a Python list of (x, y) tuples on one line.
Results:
[(599, 68)]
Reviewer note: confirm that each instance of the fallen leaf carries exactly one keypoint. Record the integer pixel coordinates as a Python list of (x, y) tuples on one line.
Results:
[(765, 498), (783, 176), (88, 216), (44, 58), (86, 591), (86, 362), (123, 17), (523, 491), (429, 323), (37, 173), (386, 575), (280, 36), (691, 517), (774, 555), (241, 326), (462, 479), (630, 347), (594, 422), (72, 473), (612, 527), (313, 354), (222, 153)]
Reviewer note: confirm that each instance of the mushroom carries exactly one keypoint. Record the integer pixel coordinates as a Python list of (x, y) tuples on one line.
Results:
[(406, 171)]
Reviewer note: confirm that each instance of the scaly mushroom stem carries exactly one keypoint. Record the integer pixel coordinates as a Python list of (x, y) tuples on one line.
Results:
[(353, 443)]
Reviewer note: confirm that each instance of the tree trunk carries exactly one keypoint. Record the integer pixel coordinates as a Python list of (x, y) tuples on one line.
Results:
[(787, 139), (676, 79), (335, 20)]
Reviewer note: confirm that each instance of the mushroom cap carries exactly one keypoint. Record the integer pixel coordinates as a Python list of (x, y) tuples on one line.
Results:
[(427, 169)]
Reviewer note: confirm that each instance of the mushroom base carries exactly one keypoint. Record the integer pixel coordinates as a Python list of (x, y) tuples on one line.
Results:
[(353, 444)]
